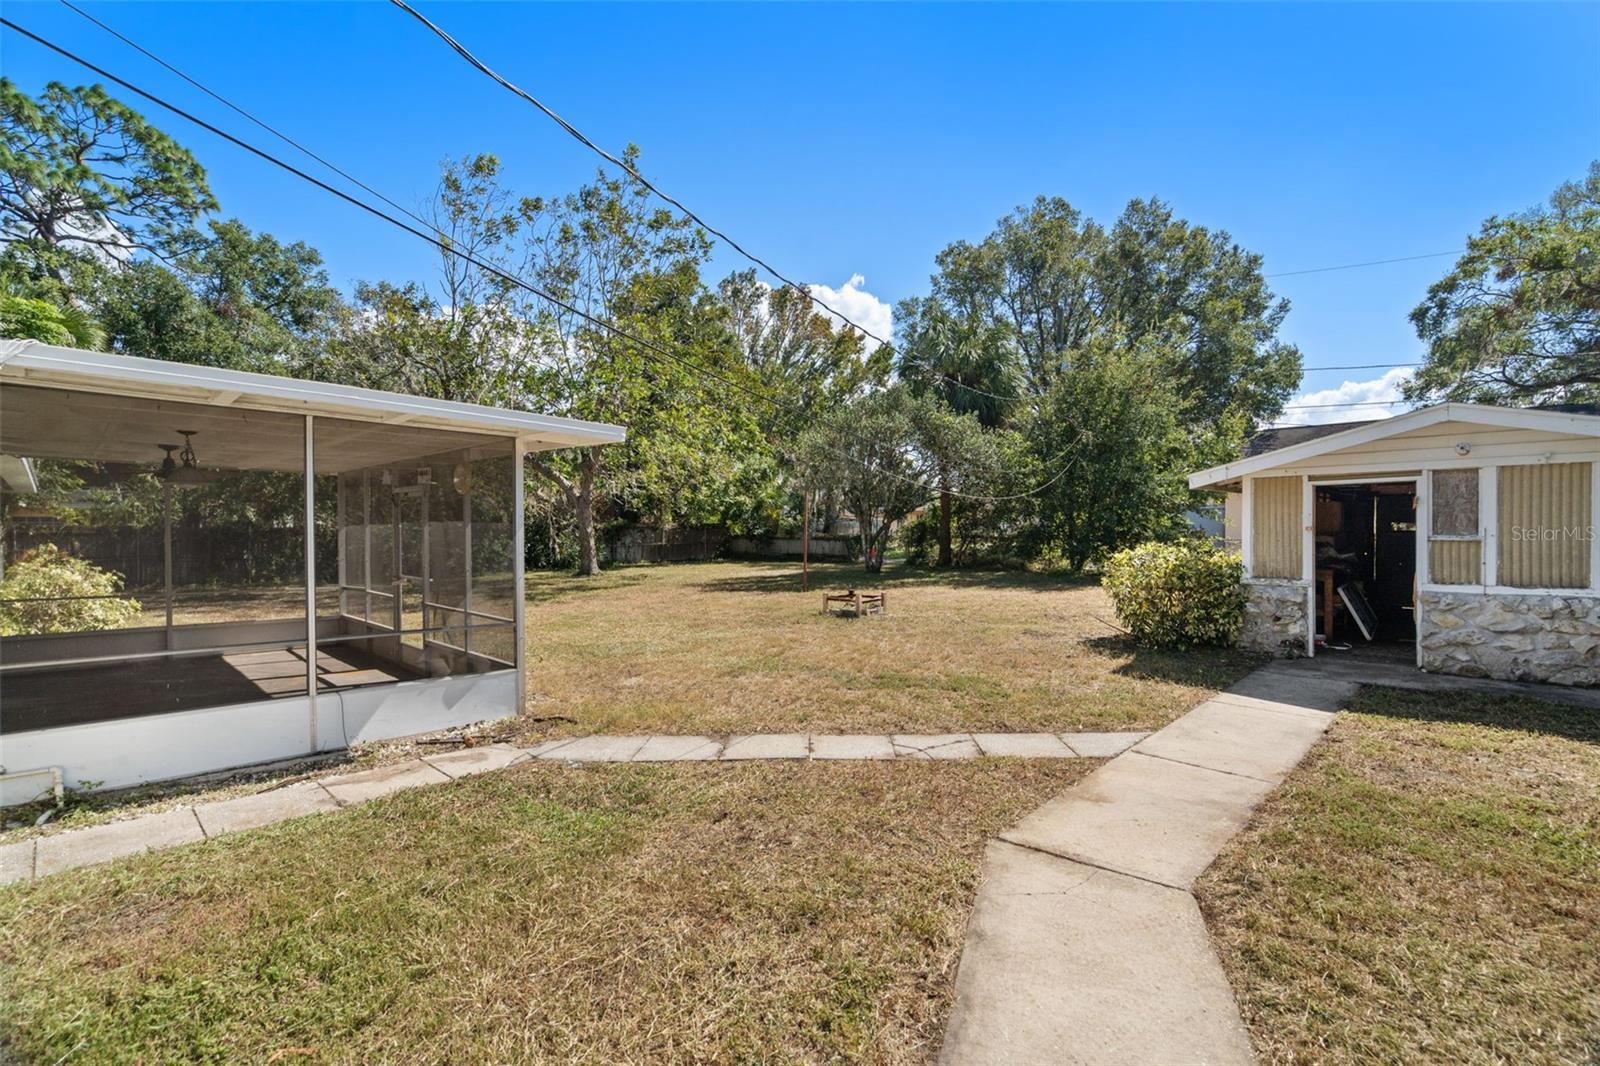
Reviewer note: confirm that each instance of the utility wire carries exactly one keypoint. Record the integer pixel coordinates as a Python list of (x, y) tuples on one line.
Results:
[(578, 134), (504, 275), (285, 138), (1357, 266)]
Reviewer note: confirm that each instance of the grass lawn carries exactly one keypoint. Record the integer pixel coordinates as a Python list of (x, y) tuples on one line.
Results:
[(761, 912), (1424, 888), (733, 647)]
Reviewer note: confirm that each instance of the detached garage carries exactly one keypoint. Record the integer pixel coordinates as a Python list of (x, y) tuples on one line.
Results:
[(1460, 534)]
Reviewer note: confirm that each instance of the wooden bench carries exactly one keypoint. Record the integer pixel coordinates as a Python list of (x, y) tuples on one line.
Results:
[(857, 603)]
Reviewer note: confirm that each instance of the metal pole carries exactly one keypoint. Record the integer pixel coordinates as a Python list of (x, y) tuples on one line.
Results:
[(517, 655), (466, 562), (366, 544), (311, 584), (805, 541), (166, 549)]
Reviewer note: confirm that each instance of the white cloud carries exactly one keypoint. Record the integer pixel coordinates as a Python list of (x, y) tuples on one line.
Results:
[(854, 302), (1364, 393)]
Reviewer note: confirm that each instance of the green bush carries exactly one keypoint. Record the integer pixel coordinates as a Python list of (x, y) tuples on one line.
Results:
[(1178, 595), (43, 578)]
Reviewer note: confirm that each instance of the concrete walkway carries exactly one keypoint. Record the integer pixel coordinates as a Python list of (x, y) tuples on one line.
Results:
[(1085, 944), (53, 853)]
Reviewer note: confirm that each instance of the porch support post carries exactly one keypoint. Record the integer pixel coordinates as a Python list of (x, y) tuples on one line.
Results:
[(166, 555), (1308, 561), (310, 531), (1489, 525), (518, 657), (1247, 525)]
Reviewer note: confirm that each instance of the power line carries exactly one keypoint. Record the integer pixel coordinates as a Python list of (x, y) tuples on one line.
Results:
[(510, 278), (1357, 266), (285, 138), (578, 134)]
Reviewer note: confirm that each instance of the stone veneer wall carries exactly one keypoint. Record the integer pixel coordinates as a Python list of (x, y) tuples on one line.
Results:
[(1274, 616), (1512, 637)]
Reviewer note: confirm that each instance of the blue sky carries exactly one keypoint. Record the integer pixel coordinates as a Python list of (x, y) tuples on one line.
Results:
[(841, 140)]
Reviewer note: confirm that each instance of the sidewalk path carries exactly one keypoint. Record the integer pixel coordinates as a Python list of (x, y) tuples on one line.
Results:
[(1085, 944), (45, 855)]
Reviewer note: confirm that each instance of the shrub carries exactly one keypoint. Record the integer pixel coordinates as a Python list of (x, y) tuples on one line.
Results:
[(1177, 595), (41, 577)]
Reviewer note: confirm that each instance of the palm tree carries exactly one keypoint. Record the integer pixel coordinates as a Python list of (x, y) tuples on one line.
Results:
[(41, 320)]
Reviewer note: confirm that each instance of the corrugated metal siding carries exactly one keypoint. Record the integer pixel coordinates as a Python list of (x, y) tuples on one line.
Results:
[(1276, 534), (1545, 514), (1455, 562)]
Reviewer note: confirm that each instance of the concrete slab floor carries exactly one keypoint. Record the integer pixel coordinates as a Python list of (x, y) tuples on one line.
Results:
[(678, 749), (1023, 745), (16, 862), (101, 843), (370, 784), (264, 808), (596, 749), (1145, 817), (768, 746), (1065, 963), (1258, 743), (464, 762), (936, 746), (1101, 745), (832, 746)]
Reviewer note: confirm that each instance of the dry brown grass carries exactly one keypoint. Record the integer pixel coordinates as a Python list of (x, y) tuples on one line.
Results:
[(756, 913), (734, 647), (1424, 888)]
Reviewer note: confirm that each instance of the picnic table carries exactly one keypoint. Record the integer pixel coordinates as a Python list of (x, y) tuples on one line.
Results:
[(857, 603)]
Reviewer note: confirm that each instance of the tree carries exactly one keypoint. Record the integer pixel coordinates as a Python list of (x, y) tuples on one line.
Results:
[(882, 452), (1112, 425), (1517, 320), (82, 174), (42, 320), (237, 299), (968, 363), (1057, 281)]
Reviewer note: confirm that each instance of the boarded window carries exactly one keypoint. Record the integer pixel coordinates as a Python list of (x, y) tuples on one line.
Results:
[(1276, 532), (1546, 525), (1455, 503)]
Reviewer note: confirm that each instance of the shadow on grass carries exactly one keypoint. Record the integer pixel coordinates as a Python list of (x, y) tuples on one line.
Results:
[(833, 577), (1522, 714), (1203, 667)]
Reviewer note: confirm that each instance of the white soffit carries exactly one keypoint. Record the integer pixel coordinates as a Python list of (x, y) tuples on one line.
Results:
[(32, 363), (1472, 414)]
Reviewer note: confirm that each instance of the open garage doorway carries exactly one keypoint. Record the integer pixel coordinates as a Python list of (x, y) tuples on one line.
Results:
[(1366, 572)]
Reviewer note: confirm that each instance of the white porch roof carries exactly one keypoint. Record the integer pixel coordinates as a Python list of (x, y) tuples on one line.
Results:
[(1550, 421), (27, 362)]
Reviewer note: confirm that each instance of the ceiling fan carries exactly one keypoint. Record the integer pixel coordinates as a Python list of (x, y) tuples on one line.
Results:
[(182, 472)]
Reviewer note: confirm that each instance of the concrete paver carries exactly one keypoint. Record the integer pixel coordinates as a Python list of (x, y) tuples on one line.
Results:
[(1023, 745), (768, 746), (835, 746), (936, 746), (1253, 741), (678, 749), (370, 784), (1101, 745), (544, 748), (464, 762), (1066, 963), (1152, 818), (16, 862), (101, 843), (264, 808), (599, 748)]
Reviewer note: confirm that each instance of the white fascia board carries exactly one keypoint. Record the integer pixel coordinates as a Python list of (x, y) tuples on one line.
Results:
[(50, 365), (1475, 414)]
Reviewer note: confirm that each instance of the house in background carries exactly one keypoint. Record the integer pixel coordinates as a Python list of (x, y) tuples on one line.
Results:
[(1461, 533), (331, 565)]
